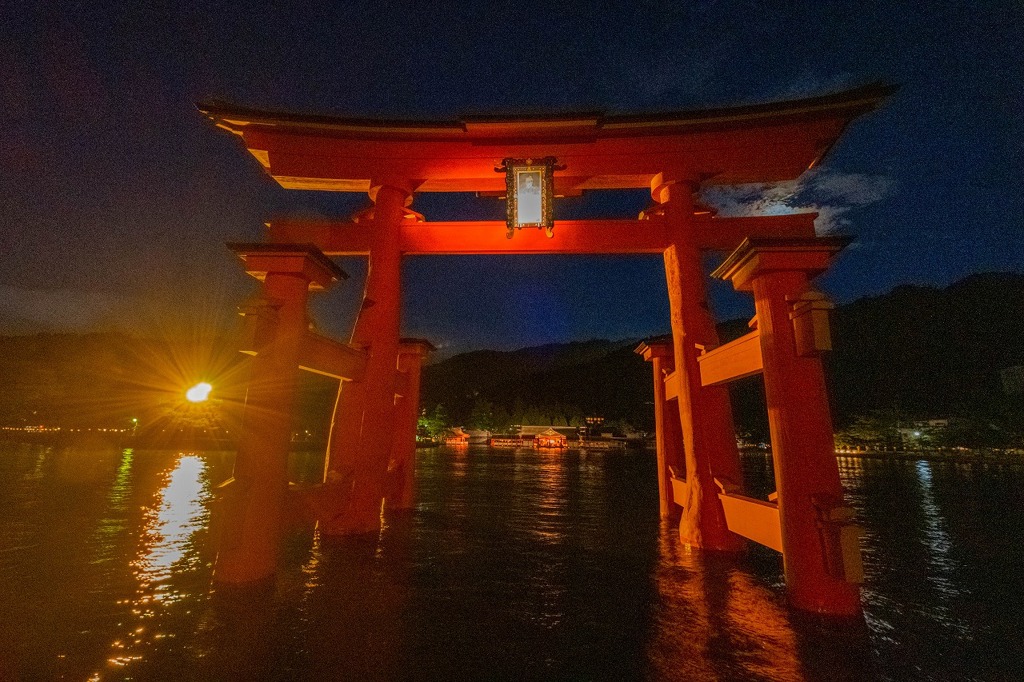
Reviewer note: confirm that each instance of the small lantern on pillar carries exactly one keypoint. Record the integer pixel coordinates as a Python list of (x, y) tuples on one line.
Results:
[(811, 329), (259, 318), (840, 539), (529, 190)]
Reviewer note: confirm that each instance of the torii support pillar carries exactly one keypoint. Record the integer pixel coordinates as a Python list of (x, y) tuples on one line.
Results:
[(364, 420), (254, 498), (705, 413), (402, 469), (668, 437), (822, 562)]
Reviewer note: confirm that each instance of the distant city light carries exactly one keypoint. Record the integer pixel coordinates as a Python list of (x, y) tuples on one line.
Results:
[(199, 392)]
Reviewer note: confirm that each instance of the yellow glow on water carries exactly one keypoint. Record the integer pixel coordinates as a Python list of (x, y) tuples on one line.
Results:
[(179, 515), (199, 392), (166, 548)]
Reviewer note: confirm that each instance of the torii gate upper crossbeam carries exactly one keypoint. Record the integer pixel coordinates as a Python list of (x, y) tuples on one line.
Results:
[(579, 237)]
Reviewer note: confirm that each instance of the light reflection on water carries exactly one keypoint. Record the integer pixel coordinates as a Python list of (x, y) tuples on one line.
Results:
[(177, 511), (716, 621), (515, 564), (943, 564)]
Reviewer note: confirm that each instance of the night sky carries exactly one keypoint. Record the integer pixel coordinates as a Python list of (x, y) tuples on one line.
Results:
[(117, 195)]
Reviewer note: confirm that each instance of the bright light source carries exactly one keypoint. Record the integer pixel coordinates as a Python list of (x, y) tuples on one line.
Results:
[(199, 392)]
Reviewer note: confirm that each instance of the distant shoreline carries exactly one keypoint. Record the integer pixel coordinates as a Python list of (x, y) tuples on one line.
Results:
[(955, 457), (103, 440), (141, 442)]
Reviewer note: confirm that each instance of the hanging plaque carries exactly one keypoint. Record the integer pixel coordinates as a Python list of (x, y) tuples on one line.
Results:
[(529, 190)]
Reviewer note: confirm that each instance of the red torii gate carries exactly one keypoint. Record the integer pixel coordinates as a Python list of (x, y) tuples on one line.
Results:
[(672, 155)]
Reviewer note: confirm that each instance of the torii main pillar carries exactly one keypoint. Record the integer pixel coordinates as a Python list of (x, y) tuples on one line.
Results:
[(705, 413), (253, 499), (820, 555), (363, 428)]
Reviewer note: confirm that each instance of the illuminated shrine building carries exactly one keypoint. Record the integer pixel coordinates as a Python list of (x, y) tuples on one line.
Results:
[(456, 437), (531, 162), (550, 439), (547, 436)]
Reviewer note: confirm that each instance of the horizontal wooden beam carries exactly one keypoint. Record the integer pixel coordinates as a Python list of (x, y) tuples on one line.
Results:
[(571, 237), (751, 518), (322, 355), (672, 386), (580, 237), (679, 490), (725, 234), (334, 238), (734, 360)]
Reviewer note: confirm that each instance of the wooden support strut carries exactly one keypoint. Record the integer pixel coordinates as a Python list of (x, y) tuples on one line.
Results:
[(731, 361), (321, 355), (671, 381), (750, 517)]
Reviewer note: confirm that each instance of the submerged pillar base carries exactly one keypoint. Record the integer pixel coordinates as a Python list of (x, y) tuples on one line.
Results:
[(361, 515)]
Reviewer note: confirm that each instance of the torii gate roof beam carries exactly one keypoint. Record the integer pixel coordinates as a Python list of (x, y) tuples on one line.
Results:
[(762, 143)]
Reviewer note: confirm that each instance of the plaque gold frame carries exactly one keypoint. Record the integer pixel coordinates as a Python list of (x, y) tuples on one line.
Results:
[(519, 175)]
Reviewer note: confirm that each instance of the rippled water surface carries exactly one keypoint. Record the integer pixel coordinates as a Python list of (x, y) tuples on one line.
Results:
[(514, 565)]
